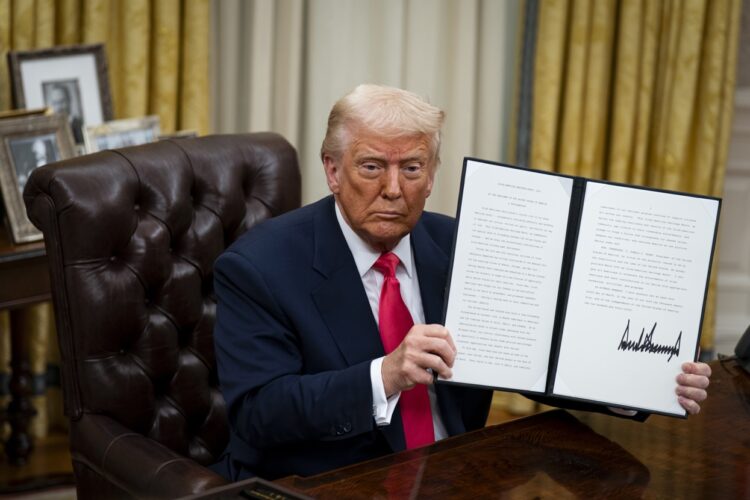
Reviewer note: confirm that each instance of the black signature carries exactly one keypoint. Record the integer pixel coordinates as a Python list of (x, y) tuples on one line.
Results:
[(646, 344)]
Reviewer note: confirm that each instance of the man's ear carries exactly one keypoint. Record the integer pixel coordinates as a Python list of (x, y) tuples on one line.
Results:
[(332, 173)]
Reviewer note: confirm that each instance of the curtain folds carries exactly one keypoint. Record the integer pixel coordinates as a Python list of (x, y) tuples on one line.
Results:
[(284, 63), (157, 52), (637, 91)]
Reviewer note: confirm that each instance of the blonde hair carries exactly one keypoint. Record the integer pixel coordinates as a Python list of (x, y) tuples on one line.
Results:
[(388, 111)]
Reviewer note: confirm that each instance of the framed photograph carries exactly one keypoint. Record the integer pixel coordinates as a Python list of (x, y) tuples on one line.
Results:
[(27, 143), (72, 80), (180, 134), (122, 133)]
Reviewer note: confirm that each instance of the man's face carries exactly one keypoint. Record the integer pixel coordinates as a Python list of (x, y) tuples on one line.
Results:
[(381, 185), (58, 101)]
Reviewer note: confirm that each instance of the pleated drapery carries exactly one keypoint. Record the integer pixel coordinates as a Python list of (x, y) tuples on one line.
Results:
[(637, 91), (283, 63)]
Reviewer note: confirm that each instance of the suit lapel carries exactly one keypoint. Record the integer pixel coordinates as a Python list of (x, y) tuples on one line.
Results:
[(343, 304), (341, 298)]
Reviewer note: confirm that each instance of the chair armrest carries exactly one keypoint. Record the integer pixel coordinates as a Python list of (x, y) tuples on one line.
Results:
[(133, 462)]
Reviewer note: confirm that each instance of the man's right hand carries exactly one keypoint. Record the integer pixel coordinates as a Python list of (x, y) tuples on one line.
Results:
[(424, 347)]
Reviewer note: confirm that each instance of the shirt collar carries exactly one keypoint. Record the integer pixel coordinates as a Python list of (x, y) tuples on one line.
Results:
[(365, 256)]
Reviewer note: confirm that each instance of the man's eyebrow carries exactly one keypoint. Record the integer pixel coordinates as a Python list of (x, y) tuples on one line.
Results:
[(417, 157), (369, 157)]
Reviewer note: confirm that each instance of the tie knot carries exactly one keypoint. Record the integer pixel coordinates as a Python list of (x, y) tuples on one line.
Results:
[(386, 264)]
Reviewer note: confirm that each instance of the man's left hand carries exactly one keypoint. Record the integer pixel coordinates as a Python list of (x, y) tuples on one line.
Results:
[(692, 384)]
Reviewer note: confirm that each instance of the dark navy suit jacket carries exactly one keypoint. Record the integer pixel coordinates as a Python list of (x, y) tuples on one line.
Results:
[(295, 336)]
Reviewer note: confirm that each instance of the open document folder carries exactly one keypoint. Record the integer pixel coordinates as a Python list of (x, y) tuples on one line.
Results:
[(577, 288)]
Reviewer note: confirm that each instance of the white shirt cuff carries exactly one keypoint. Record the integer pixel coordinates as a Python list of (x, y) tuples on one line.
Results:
[(382, 407), (622, 411)]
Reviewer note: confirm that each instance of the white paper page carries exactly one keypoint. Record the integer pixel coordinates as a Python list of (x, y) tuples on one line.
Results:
[(641, 265), (505, 278)]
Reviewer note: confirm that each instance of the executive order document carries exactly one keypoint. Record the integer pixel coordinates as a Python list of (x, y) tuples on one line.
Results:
[(577, 288), (635, 304), (505, 275)]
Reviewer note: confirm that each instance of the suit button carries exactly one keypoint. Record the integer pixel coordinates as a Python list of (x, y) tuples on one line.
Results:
[(342, 429)]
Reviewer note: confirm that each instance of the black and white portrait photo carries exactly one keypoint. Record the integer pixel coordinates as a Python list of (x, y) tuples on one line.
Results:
[(64, 97), (29, 153)]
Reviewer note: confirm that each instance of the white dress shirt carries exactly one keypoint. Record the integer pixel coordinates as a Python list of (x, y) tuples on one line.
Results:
[(406, 273)]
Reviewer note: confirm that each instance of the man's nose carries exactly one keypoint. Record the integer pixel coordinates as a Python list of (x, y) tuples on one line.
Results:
[(391, 184)]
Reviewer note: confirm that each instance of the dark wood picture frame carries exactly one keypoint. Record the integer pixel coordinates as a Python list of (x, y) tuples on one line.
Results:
[(25, 144), (73, 66)]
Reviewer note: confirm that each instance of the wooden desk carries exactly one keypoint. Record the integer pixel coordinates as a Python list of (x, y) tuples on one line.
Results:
[(567, 455), (24, 280)]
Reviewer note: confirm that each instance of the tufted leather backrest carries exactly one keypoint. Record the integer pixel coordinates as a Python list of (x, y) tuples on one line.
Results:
[(131, 237)]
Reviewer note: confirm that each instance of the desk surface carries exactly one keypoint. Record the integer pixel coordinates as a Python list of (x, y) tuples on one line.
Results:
[(569, 455)]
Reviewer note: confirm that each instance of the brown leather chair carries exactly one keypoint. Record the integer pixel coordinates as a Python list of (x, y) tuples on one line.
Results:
[(131, 237)]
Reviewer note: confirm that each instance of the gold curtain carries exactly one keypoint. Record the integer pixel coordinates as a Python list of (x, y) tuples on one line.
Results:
[(637, 91), (157, 52)]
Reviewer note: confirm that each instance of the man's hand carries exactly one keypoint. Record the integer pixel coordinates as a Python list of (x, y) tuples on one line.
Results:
[(692, 384), (424, 347)]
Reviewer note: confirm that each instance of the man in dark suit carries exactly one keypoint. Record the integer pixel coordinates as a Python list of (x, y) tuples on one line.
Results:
[(327, 329)]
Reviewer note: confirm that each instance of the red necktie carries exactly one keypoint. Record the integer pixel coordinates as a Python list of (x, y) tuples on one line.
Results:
[(395, 321)]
